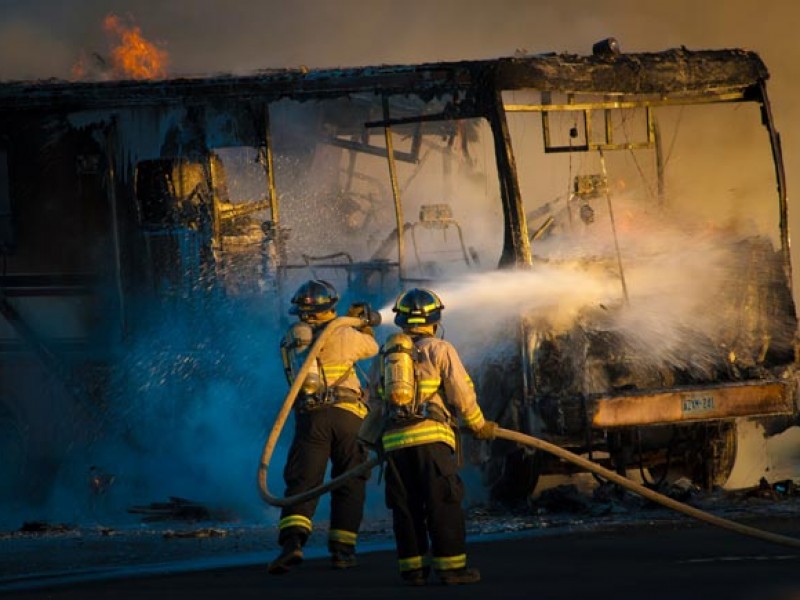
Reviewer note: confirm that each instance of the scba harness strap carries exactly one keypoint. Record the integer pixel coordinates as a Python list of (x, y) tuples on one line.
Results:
[(425, 410), (328, 397), (316, 392), (406, 393)]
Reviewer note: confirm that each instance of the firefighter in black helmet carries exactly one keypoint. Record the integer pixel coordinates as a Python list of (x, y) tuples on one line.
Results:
[(328, 414), (423, 488)]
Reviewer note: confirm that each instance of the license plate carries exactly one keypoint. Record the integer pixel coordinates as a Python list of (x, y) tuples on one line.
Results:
[(698, 404)]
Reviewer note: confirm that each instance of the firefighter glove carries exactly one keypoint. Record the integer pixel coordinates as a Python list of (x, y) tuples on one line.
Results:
[(487, 431), (358, 310), (363, 311)]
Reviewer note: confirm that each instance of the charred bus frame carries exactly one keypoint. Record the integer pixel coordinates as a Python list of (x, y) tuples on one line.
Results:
[(474, 90)]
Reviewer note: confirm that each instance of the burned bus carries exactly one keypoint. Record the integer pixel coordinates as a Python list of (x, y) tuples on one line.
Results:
[(650, 184)]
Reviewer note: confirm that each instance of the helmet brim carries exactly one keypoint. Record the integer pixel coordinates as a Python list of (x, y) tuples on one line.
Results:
[(410, 320), (298, 309)]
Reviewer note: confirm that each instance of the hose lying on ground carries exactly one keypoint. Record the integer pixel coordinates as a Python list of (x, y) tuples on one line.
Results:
[(283, 415), (527, 440), (506, 434)]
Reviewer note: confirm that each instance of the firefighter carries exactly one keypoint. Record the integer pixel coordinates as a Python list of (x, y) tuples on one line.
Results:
[(328, 414), (424, 389)]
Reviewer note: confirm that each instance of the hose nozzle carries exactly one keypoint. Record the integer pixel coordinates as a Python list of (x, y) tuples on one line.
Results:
[(363, 311)]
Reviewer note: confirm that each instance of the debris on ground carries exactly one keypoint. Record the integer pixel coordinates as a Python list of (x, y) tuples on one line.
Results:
[(205, 532), (45, 527), (769, 491), (180, 509), (495, 518), (610, 499), (563, 498), (38, 528), (681, 489)]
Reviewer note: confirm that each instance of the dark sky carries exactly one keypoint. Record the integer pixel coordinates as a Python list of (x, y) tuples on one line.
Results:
[(44, 38)]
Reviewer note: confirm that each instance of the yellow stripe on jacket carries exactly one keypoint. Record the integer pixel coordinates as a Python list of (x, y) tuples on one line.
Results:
[(421, 432)]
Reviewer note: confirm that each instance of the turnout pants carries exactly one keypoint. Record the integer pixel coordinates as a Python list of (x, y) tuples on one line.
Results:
[(424, 493), (322, 434)]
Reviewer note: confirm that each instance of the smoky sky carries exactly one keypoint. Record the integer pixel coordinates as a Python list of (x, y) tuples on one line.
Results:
[(41, 38)]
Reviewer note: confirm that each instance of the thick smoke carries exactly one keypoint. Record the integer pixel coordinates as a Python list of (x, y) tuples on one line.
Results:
[(186, 413)]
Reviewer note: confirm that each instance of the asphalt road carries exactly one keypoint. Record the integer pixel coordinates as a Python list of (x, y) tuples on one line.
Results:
[(654, 562)]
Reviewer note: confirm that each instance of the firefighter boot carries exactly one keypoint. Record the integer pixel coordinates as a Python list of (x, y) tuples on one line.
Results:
[(459, 576), (291, 555), (343, 560), (416, 576), (343, 556)]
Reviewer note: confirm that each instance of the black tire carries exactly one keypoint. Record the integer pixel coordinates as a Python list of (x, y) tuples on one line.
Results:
[(518, 477), (705, 455)]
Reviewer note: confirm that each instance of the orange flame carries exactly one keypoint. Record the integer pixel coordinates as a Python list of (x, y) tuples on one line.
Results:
[(80, 70), (134, 57)]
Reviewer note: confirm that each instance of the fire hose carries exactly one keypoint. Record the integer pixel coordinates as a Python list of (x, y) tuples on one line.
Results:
[(506, 434), (539, 444)]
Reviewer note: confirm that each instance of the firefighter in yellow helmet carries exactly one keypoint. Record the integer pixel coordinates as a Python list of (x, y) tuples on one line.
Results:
[(423, 489), (328, 415)]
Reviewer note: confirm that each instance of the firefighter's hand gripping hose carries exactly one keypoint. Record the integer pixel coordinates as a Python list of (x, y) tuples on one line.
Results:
[(626, 483), (283, 415)]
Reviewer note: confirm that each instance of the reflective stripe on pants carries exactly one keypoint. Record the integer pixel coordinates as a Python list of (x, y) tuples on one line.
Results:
[(322, 435), (424, 493)]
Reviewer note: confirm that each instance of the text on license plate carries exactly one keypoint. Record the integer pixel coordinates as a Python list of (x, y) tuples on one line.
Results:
[(698, 404)]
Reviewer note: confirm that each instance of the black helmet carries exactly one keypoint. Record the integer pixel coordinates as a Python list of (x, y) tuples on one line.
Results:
[(314, 296), (417, 307)]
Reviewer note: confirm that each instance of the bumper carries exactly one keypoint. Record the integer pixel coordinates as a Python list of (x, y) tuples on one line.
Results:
[(750, 399)]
